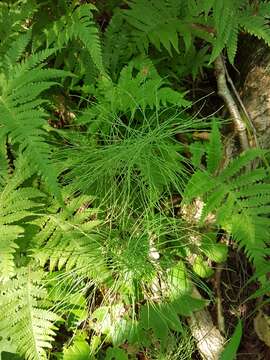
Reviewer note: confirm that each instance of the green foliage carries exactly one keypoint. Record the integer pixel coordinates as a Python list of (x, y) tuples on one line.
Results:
[(66, 238), (156, 22), (22, 107), (101, 181), (239, 199), (132, 166), (79, 350), (138, 152), (161, 22), (114, 353), (17, 204), (23, 318), (118, 47), (14, 19), (160, 320), (231, 348), (78, 24)]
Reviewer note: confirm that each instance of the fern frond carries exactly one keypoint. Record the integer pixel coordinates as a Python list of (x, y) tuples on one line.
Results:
[(225, 16), (161, 22), (198, 184), (156, 22), (31, 62), (67, 239), (78, 24), (15, 52), (240, 202), (118, 46), (23, 117), (22, 318), (15, 206), (257, 24), (146, 89), (239, 163), (232, 42), (4, 161), (13, 17)]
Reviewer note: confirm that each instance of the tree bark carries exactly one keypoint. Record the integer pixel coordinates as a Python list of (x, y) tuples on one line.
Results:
[(254, 67)]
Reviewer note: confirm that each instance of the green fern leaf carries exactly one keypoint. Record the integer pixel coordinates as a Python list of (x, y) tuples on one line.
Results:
[(118, 46), (256, 25), (29, 326), (77, 24), (23, 118), (225, 15), (254, 176), (214, 200), (232, 43), (239, 163), (67, 240), (199, 183), (17, 49), (4, 161), (238, 198), (13, 17), (146, 89), (15, 206), (156, 22)]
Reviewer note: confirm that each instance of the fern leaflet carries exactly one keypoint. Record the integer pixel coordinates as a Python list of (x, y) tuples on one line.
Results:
[(16, 205), (240, 202), (23, 117), (22, 317)]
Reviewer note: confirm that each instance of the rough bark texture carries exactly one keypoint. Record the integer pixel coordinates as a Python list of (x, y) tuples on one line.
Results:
[(254, 67)]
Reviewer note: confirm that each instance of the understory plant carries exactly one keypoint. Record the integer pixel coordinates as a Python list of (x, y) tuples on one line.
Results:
[(115, 197)]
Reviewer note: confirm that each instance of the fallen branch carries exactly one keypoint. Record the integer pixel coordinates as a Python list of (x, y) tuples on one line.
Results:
[(224, 92), (210, 342)]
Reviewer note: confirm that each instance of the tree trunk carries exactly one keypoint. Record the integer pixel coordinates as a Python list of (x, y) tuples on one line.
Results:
[(254, 66)]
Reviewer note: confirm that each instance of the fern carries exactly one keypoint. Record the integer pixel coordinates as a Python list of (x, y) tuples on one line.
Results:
[(225, 19), (67, 239), (139, 88), (15, 18), (21, 105), (77, 24), (161, 23), (239, 200), (230, 17), (22, 316), (256, 21), (214, 151), (143, 90), (118, 46), (17, 204), (93, 232), (157, 23)]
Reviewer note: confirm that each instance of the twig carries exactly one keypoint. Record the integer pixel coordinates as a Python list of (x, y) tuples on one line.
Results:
[(220, 317), (254, 131), (224, 92)]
